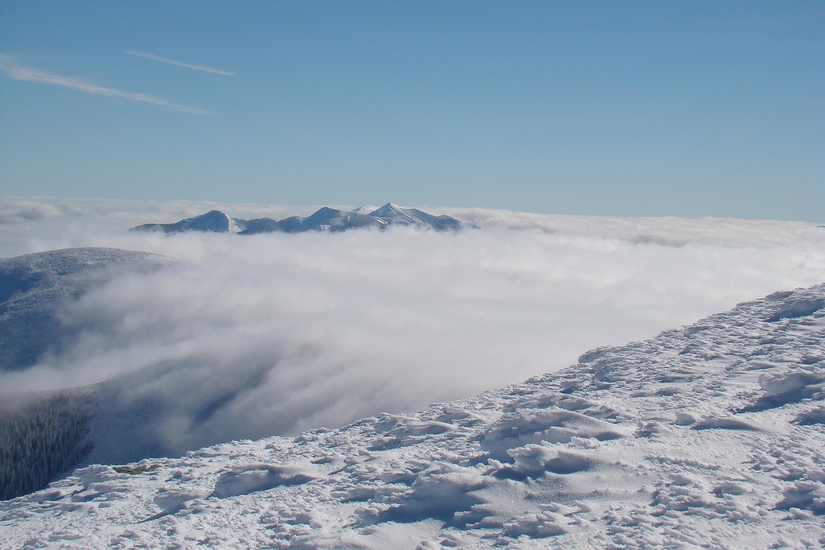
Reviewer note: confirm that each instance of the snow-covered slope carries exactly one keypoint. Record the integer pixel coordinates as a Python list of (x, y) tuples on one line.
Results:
[(33, 287), (44, 433), (393, 214), (331, 219), (213, 221), (706, 436)]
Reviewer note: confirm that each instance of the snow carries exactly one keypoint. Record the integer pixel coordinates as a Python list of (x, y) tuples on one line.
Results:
[(705, 436), (393, 214), (212, 221), (33, 286), (324, 219)]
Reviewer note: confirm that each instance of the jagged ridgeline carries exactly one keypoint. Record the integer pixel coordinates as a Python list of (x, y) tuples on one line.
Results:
[(325, 219), (42, 436)]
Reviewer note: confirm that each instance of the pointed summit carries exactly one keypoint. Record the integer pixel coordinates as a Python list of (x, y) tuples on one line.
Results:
[(388, 210), (393, 214)]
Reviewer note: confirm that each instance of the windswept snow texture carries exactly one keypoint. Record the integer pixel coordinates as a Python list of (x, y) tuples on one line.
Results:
[(325, 219), (706, 436)]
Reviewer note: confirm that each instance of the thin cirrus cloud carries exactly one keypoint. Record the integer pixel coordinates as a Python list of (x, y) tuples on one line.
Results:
[(16, 71), (168, 61)]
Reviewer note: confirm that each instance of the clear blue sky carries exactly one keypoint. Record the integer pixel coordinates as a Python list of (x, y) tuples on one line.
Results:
[(610, 108)]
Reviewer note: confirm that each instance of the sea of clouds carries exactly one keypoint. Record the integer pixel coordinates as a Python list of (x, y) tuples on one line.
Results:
[(272, 334)]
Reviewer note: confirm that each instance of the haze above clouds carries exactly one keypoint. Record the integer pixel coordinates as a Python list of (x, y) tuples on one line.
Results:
[(277, 333)]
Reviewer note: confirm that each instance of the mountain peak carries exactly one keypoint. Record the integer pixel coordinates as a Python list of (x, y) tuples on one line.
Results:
[(388, 210), (213, 221), (391, 213)]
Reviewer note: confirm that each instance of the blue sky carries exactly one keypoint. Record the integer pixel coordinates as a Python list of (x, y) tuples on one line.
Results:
[(605, 108)]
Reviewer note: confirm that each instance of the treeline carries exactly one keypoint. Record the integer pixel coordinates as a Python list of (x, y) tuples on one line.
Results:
[(40, 438)]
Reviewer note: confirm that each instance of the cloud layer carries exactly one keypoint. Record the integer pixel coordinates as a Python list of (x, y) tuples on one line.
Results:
[(251, 336)]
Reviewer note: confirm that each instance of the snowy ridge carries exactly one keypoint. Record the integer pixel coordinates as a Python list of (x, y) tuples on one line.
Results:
[(324, 219), (711, 435)]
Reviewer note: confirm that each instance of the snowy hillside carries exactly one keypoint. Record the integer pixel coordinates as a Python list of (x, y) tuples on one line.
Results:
[(45, 433), (34, 286), (710, 435), (213, 221)]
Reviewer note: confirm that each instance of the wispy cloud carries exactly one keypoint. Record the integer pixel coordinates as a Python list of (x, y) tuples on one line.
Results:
[(168, 61), (16, 71)]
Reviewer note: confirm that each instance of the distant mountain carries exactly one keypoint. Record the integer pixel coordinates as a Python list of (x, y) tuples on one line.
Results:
[(330, 219), (325, 219), (261, 225), (393, 214), (213, 221)]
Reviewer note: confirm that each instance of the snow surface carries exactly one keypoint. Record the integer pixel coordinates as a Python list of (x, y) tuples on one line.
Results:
[(706, 436), (33, 286)]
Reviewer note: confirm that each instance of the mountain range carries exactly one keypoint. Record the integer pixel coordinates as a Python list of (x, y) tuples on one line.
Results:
[(325, 219)]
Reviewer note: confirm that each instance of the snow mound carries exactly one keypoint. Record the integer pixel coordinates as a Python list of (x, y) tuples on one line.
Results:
[(706, 436)]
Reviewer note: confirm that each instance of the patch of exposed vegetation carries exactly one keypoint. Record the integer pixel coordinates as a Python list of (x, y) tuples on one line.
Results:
[(135, 470)]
